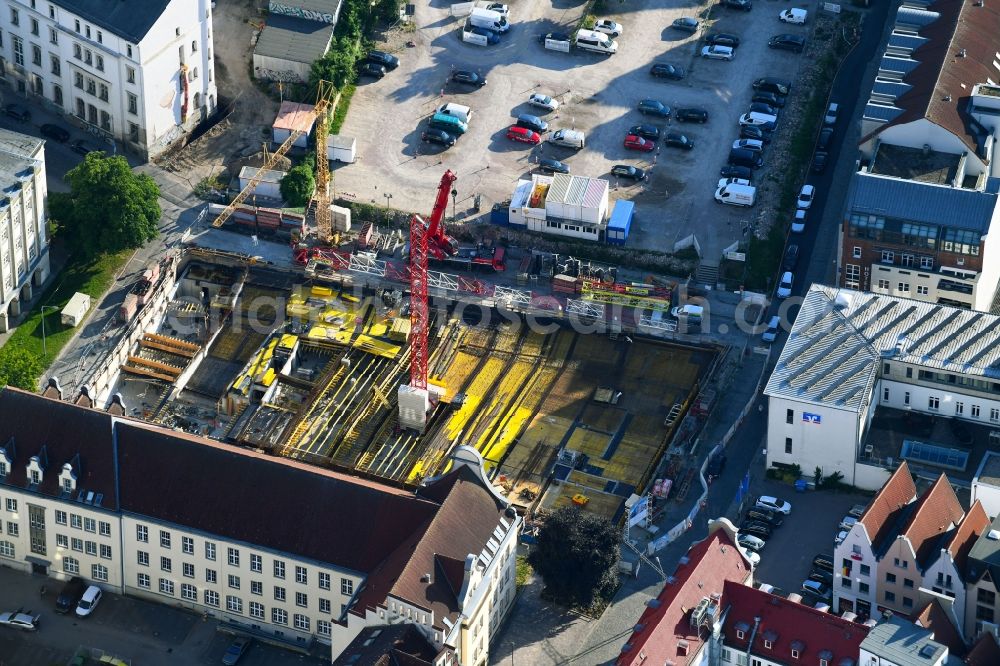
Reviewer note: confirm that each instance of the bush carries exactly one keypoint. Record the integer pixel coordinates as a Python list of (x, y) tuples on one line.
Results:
[(297, 186)]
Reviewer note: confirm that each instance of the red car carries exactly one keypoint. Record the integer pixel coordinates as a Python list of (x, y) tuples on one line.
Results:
[(633, 142), (524, 135)]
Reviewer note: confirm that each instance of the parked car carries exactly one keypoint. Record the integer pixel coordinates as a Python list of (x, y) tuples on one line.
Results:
[(609, 28), (628, 171), (523, 135), (654, 108), (533, 123), (722, 39), (17, 112), (82, 147), (633, 142), (753, 557), (824, 562), (754, 132), (554, 36), (547, 165), (438, 136), (676, 140), (685, 24), (70, 594), (770, 334), (235, 650), (761, 120), (543, 102), (691, 115), (769, 98), (755, 145), (806, 196), (799, 220), (757, 529), (825, 135), (765, 516), (819, 161), (645, 131), (750, 542), (847, 522), (791, 257), (89, 600), (20, 619), (371, 69), (786, 42), (492, 36), (745, 5), (772, 84), (387, 60), (55, 132), (775, 504), (831, 114), (816, 589), (664, 70), (499, 8), (716, 464), (731, 181), (760, 107), (819, 576), (468, 78), (718, 52), (857, 510), (735, 171)]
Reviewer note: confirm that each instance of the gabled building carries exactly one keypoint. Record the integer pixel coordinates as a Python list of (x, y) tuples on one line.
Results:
[(296, 34), (898, 642), (939, 621), (986, 652), (982, 607)]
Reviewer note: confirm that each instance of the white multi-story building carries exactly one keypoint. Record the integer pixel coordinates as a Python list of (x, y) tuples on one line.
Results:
[(142, 75), (24, 243), (270, 547), (866, 380)]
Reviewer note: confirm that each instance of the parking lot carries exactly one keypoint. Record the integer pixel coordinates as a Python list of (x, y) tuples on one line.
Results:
[(810, 530), (598, 95)]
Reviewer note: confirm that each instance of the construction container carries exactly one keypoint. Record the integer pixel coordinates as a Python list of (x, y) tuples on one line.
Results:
[(76, 309), (400, 329), (341, 218), (565, 284), (292, 117), (577, 198), (269, 186), (128, 308), (341, 148), (620, 223)]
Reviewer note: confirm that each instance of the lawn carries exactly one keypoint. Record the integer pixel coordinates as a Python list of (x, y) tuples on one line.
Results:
[(89, 277)]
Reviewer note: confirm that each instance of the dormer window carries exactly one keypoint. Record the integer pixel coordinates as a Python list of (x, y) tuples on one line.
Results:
[(35, 471), (740, 634), (795, 654), (3, 468), (36, 477), (767, 644), (67, 479)]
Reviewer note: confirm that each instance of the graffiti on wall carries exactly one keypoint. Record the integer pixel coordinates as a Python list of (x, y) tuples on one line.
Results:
[(284, 76), (302, 13)]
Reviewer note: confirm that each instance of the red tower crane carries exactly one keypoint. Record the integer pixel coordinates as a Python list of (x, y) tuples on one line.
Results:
[(426, 240)]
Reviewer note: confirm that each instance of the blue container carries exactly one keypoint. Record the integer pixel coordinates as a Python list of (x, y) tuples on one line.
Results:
[(620, 223)]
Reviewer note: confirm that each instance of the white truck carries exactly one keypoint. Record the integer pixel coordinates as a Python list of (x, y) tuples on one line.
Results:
[(485, 18), (736, 195), (795, 16), (598, 42)]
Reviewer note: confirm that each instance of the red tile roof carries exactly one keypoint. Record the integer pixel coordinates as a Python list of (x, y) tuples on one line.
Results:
[(937, 512), (973, 524), (897, 492), (663, 625), (935, 618), (787, 625), (985, 652)]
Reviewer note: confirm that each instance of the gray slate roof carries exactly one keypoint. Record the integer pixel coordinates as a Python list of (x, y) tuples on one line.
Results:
[(921, 202), (16, 155), (130, 20), (832, 354), (903, 643), (294, 39)]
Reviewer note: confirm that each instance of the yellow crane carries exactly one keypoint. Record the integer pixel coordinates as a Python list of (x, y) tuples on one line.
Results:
[(325, 95)]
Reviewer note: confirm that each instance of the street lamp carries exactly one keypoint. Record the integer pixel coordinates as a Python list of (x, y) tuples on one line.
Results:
[(387, 198), (44, 348), (454, 203)]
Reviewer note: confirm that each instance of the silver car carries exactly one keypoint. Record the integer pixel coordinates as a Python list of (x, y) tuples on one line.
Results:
[(20, 619)]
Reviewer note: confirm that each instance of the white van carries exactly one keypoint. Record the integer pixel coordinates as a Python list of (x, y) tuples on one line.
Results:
[(598, 42), (757, 119), (463, 113), (736, 195), (88, 602), (567, 138), (796, 16), (690, 312), (485, 18)]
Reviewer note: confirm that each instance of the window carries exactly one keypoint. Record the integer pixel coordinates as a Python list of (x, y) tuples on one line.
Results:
[(324, 581), (908, 582), (209, 551), (234, 557), (130, 74), (211, 576), (234, 604), (301, 575), (256, 610), (865, 570), (164, 539), (78, 80), (77, 26), (279, 569), (187, 545), (890, 578), (105, 528), (105, 551), (933, 403), (62, 541), (986, 597), (323, 627), (906, 396), (795, 654), (856, 253), (99, 572), (234, 582), (102, 92), (77, 544), (133, 104), (53, 36), (256, 587), (142, 557), (853, 272), (788, 445), (279, 593), (789, 416), (890, 597), (189, 592), (994, 414), (863, 588), (883, 284), (100, 63), (6, 549), (256, 563), (194, 47), (36, 55), (922, 290), (133, 132), (301, 622), (100, 37), (907, 602), (887, 256), (167, 586), (77, 51), (187, 569), (211, 598), (906, 260), (324, 606), (128, 50), (71, 565), (88, 56), (12, 506), (301, 599), (15, 18), (166, 564), (975, 411), (845, 583), (91, 86), (91, 548), (885, 393), (143, 581), (959, 407), (903, 287), (89, 525), (87, 29), (60, 517), (279, 616)]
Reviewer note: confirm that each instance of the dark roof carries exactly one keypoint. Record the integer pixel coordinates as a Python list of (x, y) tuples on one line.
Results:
[(964, 537), (936, 512), (60, 433), (354, 524), (295, 39), (388, 645), (788, 625), (985, 652), (934, 617), (130, 20), (985, 556), (895, 494)]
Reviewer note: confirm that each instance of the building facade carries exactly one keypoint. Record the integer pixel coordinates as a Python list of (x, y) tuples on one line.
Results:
[(24, 241), (139, 77)]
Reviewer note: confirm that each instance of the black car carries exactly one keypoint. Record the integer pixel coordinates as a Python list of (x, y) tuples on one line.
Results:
[(70, 594), (468, 78), (552, 166), (372, 69), (745, 5), (791, 258), (433, 135), (734, 171), (819, 161), (754, 132), (628, 171), (746, 158), (777, 101), (756, 528), (715, 465), (654, 107), (17, 112), (825, 135), (792, 43), (556, 36), (387, 60), (821, 576), (823, 562), (55, 132), (534, 123), (760, 107), (676, 140), (692, 115), (645, 131), (686, 24), (662, 70), (769, 518), (82, 147), (771, 84), (722, 39)]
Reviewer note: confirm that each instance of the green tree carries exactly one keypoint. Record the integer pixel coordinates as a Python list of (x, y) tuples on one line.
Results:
[(339, 65), (577, 556), (297, 186), (108, 208), (20, 368)]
